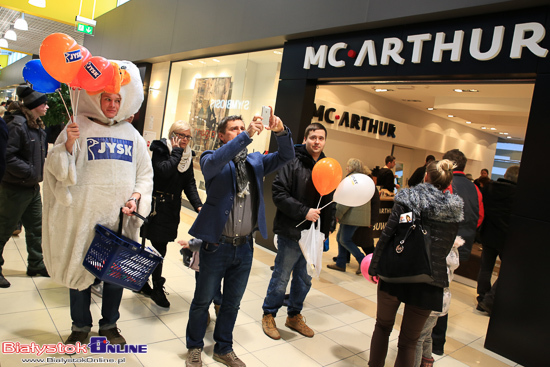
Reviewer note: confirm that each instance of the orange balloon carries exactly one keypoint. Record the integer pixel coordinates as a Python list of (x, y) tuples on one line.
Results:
[(326, 175), (61, 57)]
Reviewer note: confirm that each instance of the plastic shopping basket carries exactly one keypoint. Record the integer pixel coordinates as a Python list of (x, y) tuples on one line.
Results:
[(116, 259)]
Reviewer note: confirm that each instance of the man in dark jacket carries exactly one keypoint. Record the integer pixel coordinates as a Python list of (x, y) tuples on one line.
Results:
[(296, 198), (418, 175), (19, 190), (386, 177), (3, 145), (473, 217), (498, 197)]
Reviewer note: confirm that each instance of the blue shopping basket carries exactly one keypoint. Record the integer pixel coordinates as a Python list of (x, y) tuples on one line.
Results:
[(116, 259)]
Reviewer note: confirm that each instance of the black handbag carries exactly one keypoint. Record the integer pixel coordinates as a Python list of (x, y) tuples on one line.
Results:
[(406, 258)]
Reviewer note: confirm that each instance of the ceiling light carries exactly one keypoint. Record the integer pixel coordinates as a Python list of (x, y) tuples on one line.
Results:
[(382, 90), (277, 52), (508, 137), (466, 90), (468, 122), (431, 108), (450, 115), (10, 35), (493, 128), (38, 3), (216, 60), (483, 128), (458, 90), (21, 23), (3, 43), (202, 62), (504, 133)]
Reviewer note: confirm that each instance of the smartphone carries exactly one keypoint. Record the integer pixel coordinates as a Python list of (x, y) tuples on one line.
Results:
[(266, 114)]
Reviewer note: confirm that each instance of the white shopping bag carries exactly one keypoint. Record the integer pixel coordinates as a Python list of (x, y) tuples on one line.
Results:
[(311, 243)]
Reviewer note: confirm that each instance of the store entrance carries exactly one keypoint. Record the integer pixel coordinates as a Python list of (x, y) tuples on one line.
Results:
[(430, 119)]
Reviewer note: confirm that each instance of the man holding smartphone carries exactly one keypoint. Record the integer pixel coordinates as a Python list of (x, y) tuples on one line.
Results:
[(233, 211)]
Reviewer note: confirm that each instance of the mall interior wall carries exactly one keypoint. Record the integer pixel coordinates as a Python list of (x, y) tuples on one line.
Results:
[(160, 30)]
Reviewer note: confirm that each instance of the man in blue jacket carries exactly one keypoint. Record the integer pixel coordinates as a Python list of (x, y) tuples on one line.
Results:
[(233, 211)]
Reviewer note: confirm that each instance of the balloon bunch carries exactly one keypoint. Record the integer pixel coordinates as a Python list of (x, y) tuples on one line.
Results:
[(63, 60), (354, 190)]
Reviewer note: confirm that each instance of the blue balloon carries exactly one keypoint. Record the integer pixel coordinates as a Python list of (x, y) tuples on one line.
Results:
[(41, 81)]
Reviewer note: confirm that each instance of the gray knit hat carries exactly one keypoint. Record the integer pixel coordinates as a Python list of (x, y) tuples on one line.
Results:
[(31, 98)]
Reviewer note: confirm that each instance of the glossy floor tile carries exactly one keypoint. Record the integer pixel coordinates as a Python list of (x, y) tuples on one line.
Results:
[(340, 308)]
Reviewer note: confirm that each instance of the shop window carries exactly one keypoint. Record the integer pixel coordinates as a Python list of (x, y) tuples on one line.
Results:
[(204, 91)]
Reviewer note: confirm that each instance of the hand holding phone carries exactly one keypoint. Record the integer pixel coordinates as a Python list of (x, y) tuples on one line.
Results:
[(266, 114)]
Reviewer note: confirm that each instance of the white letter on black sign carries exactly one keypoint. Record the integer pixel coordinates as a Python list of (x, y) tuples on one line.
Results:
[(496, 45), (319, 58), (367, 49), (392, 47), (455, 46), (518, 41), (418, 42), (332, 55)]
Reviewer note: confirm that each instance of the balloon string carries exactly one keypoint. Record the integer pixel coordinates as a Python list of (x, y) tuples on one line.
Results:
[(64, 104), (76, 146), (299, 224)]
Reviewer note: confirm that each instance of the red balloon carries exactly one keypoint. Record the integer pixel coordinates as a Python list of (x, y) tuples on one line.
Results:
[(61, 57), (94, 75), (86, 55), (326, 175)]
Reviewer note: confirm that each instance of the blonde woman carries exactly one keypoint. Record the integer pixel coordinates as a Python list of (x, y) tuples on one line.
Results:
[(173, 168)]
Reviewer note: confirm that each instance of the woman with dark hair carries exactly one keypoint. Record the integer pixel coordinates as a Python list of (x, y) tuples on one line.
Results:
[(173, 168), (441, 212)]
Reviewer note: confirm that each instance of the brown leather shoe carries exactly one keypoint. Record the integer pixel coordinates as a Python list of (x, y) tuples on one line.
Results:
[(335, 267), (298, 324), (230, 359), (270, 329), (193, 358), (113, 336)]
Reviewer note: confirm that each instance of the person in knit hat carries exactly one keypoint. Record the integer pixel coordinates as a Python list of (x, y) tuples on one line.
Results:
[(98, 164), (20, 198)]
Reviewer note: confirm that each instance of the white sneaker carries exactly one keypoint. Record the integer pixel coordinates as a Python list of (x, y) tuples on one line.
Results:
[(98, 289)]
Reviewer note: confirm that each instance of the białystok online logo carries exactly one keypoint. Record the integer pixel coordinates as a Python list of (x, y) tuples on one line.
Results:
[(98, 344)]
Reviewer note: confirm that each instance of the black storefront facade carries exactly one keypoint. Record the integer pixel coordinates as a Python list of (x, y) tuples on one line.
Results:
[(503, 46)]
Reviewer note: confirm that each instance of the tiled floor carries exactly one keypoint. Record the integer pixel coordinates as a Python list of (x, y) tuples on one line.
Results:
[(340, 308)]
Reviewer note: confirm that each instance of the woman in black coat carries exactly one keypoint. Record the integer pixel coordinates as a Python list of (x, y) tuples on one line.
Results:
[(173, 168), (441, 212)]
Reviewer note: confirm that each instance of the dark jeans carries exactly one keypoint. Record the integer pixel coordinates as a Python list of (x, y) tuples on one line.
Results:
[(413, 321), (25, 205), (488, 260), (217, 297), (217, 262), (289, 260), (345, 233), (80, 307)]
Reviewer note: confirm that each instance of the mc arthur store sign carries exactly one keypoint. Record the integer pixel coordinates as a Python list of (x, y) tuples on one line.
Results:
[(498, 44)]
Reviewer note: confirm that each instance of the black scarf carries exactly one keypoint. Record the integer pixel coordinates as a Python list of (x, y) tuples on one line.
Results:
[(242, 176)]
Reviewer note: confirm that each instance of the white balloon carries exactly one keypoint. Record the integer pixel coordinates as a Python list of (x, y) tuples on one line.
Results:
[(354, 190)]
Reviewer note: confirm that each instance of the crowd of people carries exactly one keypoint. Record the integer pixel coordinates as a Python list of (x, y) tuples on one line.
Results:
[(99, 166)]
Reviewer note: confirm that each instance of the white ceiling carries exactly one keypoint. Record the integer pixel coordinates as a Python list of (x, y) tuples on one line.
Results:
[(29, 41), (502, 106)]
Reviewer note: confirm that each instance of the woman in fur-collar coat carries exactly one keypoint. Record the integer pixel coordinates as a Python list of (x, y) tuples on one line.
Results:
[(441, 212)]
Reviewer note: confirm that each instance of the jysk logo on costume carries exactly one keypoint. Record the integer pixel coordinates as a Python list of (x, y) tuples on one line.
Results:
[(109, 148)]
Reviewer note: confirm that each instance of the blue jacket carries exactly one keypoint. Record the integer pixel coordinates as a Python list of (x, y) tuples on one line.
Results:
[(218, 170)]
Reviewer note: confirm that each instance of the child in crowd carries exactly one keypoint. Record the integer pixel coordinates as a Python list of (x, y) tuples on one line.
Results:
[(424, 346)]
